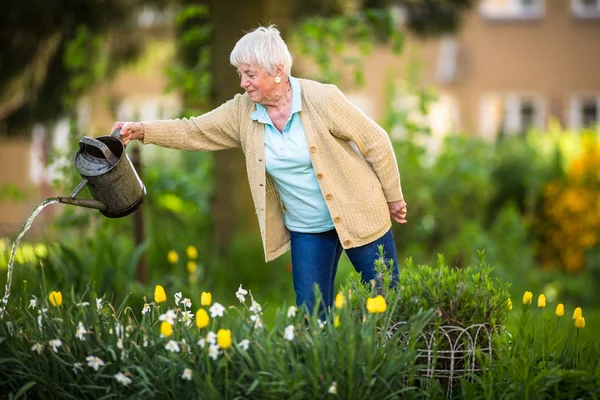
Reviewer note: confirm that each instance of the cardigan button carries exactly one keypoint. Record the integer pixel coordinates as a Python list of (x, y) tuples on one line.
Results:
[(313, 149), (329, 196), (319, 176), (347, 242), (337, 220)]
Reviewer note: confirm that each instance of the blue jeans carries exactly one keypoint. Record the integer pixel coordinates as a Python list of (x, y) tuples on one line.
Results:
[(315, 259)]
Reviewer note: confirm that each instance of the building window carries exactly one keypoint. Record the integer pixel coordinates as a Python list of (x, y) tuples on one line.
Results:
[(510, 114), (585, 111), (512, 9), (585, 8)]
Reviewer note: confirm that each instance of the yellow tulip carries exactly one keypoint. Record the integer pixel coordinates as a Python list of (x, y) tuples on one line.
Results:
[(509, 304), (159, 294), (577, 313), (376, 305), (206, 299), (173, 257), (527, 298), (192, 252), (224, 338), (340, 300), (202, 318), (541, 301), (191, 266), (560, 310), (55, 298), (336, 321), (166, 329), (580, 323)]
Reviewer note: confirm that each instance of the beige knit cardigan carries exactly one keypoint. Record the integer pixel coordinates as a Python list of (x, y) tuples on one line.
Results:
[(356, 186)]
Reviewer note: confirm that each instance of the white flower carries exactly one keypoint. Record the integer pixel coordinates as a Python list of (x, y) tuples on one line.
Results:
[(177, 298), (170, 316), (241, 293), (244, 344), (333, 388), (201, 342), (217, 310), (32, 303), (55, 343), (77, 367), (119, 330), (255, 307), (257, 322), (187, 317), (120, 344), (40, 321), (187, 303), (83, 304), (146, 308), (211, 337), (173, 346), (145, 344), (94, 362), (98, 304), (121, 378), (81, 331), (289, 333), (213, 351), (187, 374), (322, 323), (38, 347), (291, 312)]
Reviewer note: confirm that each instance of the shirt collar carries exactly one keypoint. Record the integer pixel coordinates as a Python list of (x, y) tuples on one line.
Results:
[(261, 115)]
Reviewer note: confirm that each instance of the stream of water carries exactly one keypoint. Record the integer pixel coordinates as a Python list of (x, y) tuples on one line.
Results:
[(13, 251)]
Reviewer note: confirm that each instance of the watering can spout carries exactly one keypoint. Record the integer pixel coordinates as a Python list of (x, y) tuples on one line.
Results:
[(88, 203)]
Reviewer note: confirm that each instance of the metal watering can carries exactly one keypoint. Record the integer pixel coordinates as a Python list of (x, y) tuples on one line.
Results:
[(109, 175)]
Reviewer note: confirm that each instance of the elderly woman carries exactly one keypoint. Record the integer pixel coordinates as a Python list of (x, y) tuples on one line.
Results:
[(323, 175)]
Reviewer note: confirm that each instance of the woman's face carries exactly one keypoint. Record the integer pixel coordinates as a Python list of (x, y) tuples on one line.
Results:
[(258, 83)]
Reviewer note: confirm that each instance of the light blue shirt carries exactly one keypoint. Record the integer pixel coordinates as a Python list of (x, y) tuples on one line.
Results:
[(288, 162)]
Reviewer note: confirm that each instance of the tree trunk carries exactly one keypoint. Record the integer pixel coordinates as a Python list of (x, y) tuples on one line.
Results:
[(232, 207)]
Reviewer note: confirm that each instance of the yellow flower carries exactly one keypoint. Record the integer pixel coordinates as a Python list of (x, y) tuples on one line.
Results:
[(509, 304), (336, 321), (560, 310), (224, 338), (340, 300), (202, 318), (580, 323), (166, 329), (173, 257), (527, 298), (55, 298), (577, 313), (192, 266), (192, 252), (159, 294), (376, 305), (541, 301), (205, 298)]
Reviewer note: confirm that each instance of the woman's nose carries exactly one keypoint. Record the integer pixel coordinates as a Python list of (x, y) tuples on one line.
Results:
[(244, 83)]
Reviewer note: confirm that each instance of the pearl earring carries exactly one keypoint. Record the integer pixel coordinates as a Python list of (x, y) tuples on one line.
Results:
[(277, 79)]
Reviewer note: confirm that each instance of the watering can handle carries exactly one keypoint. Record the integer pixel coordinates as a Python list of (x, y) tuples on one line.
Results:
[(110, 157), (116, 133)]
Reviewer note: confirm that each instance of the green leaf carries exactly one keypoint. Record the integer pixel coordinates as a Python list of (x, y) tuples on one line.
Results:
[(24, 389)]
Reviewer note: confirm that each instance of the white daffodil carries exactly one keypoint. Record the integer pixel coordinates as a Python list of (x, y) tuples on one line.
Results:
[(146, 308), (170, 316), (187, 317), (83, 304), (38, 348), (119, 330), (81, 331), (211, 337), (33, 303), (55, 344), (187, 374), (120, 344), (333, 388), (213, 351), (94, 362), (257, 322), (177, 298), (255, 307), (289, 333), (187, 303), (99, 304), (122, 379), (244, 344), (217, 310), (241, 294), (292, 312), (201, 342), (173, 346), (77, 367), (322, 324)]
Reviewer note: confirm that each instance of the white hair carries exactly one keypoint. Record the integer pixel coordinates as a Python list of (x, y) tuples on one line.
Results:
[(264, 48)]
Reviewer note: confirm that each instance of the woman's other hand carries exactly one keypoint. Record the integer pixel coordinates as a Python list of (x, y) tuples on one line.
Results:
[(129, 131), (398, 211)]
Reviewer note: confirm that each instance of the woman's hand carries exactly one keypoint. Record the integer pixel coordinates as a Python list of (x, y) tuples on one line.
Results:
[(129, 131), (398, 211)]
